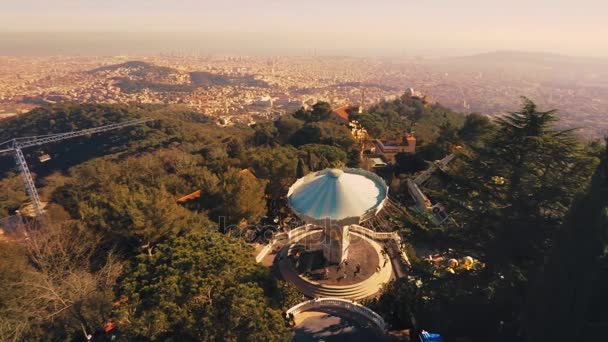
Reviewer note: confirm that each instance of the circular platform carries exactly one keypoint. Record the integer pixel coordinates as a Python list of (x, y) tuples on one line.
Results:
[(374, 271), (311, 265)]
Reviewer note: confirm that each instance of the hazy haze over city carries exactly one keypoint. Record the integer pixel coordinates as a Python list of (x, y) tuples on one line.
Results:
[(382, 27), (267, 57)]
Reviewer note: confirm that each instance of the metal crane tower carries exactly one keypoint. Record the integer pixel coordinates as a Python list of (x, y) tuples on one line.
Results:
[(17, 144)]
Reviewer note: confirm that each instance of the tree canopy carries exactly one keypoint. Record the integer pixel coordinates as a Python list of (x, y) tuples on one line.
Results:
[(320, 111), (510, 224), (201, 286)]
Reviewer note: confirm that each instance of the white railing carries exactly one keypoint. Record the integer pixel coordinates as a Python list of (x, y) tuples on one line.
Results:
[(290, 236), (264, 252), (382, 236), (301, 231), (320, 303), (374, 235), (294, 233)]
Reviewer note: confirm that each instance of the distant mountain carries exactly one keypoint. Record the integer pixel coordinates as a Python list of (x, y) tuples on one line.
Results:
[(127, 65), (144, 71), (66, 117), (145, 75), (141, 75), (530, 58)]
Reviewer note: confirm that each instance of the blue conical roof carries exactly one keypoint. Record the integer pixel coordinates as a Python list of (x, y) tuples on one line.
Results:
[(346, 196)]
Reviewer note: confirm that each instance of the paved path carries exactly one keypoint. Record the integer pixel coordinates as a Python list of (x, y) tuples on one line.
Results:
[(338, 325)]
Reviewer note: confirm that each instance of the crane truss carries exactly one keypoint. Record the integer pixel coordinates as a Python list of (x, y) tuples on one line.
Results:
[(16, 145)]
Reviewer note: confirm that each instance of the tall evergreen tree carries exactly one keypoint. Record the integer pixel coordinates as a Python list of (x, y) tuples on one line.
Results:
[(310, 161), (300, 170), (558, 306), (544, 169), (524, 136)]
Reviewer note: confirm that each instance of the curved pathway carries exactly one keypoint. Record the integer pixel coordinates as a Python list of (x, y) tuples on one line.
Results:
[(334, 319)]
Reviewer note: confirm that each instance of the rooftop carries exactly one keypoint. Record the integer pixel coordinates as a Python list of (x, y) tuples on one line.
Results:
[(342, 113), (345, 195)]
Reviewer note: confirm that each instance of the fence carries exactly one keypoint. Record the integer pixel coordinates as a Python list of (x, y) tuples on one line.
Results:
[(329, 303), (374, 235), (297, 233), (262, 254)]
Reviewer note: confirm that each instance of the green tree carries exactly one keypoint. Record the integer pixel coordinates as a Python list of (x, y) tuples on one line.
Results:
[(264, 133), (521, 137), (309, 134), (373, 124), (510, 224), (235, 148), (320, 111), (276, 165), (200, 286), (563, 295), (145, 215), (476, 129), (237, 195), (12, 195), (544, 169), (409, 163), (390, 119), (286, 126), (301, 169), (325, 155)]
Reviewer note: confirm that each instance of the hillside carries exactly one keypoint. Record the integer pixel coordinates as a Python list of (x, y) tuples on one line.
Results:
[(137, 68), (178, 129), (539, 59), (115, 218), (135, 76), (208, 79), (174, 125), (115, 195)]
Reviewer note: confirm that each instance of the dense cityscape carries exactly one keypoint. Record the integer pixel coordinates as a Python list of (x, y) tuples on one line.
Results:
[(247, 89)]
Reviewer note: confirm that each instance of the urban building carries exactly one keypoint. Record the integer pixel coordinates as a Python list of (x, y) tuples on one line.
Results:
[(388, 148)]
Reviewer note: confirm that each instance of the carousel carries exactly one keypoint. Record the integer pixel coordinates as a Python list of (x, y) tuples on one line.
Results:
[(335, 199)]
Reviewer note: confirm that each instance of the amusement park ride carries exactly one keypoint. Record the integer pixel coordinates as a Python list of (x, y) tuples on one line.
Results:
[(17, 144)]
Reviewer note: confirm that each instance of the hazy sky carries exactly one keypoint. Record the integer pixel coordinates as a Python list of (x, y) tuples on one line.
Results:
[(577, 27)]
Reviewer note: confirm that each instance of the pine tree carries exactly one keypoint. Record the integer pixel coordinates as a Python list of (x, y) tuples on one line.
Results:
[(525, 135), (301, 169), (544, 169), (559, 303)]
